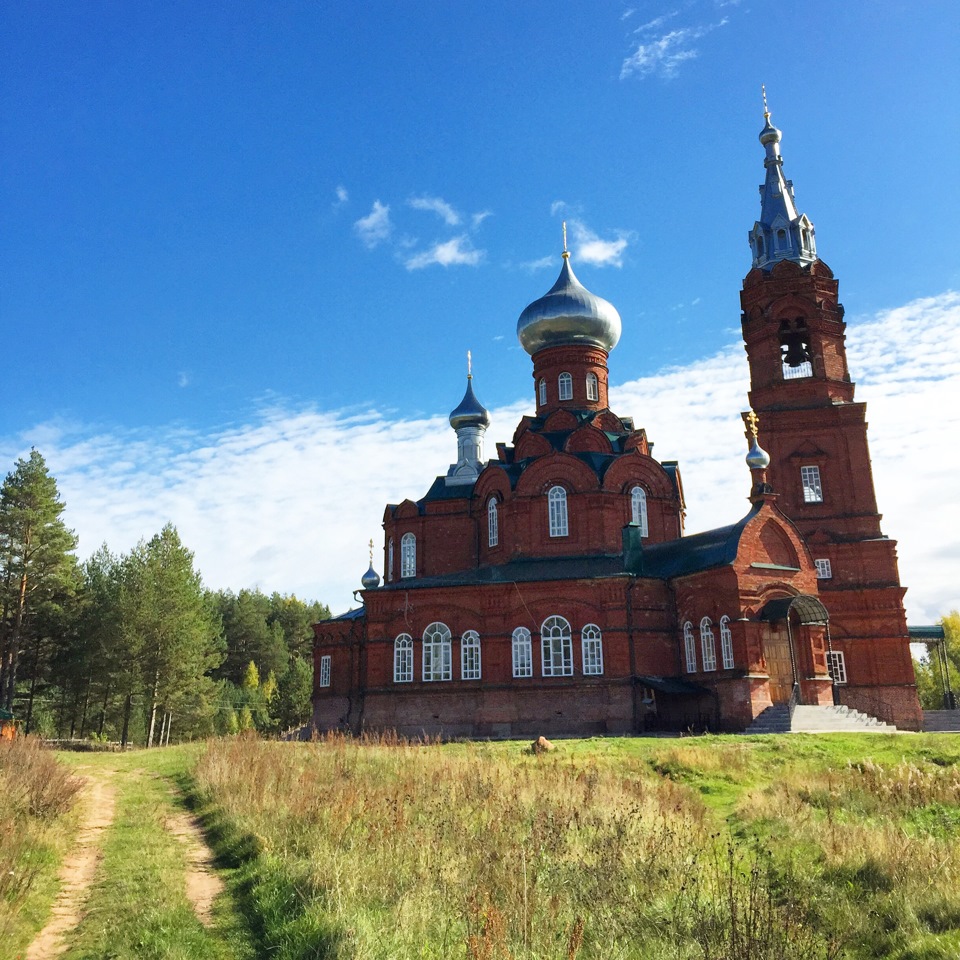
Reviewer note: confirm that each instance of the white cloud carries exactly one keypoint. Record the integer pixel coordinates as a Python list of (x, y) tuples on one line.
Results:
[(588, 247), (438, 206), (541, 264), (265, 503), (663, 55), (478, 218), (183, 379), (457, 251), (342, 196), (558, 206), (375, 227)]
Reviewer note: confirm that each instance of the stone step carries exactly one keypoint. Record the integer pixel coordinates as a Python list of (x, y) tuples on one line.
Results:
[(817, 719)]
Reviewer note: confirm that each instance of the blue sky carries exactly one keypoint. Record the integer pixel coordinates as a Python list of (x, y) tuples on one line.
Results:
[(241, 244)]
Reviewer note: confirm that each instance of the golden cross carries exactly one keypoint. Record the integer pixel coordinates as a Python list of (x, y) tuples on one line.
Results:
[(371, 549), (752, 421)]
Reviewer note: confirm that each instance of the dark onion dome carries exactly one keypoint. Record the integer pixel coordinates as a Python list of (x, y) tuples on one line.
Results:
[(471, 412), (569, 314), (371, 579)]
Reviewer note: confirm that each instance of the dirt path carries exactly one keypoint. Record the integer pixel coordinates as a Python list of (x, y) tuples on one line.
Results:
[(203, 885), (78, 869)]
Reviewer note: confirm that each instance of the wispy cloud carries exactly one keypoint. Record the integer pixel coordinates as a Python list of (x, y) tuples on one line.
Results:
[(588, 247), (458, 251), (375, 227), (438, 206), (183, 379), (663, 54), (264, 503), (343, 197), (541, 264)]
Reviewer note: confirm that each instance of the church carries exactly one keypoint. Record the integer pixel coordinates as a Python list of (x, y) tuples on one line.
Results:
[(551, 589)]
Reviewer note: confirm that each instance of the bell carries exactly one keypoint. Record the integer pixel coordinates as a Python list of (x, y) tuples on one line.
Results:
[(795, 351)]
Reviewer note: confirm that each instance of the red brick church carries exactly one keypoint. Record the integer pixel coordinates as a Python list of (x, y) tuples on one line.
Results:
[(552, 590)]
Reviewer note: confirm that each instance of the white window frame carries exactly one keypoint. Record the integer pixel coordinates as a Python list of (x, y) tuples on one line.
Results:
[(557, 512), (690, 647), (522, 653), (638, 509), (324, 680), (408, 556), (565, 386), (403, 659), (726, 643), (493, 523), (556, 647), (390, 559), (591, 650), (542, 391), (437, 654), (593, 387), (837, 667), (811, 483), (708, 645), (470, 655), (824, 569)]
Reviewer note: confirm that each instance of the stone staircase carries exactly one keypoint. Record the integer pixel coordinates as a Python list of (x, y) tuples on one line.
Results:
[(941, 721), (817, 719)]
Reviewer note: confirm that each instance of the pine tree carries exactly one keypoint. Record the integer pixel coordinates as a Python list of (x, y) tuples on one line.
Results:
[(36, 561)]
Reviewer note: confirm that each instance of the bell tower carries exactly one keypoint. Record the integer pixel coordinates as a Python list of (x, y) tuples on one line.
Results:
[(816, 435)]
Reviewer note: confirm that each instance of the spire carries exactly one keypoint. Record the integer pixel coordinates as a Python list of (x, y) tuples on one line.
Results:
[(780, 233), (470, 421)]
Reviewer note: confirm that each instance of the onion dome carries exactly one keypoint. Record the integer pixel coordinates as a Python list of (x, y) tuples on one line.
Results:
[(757, 457), (470, 412), (569, 314), (371, 579)]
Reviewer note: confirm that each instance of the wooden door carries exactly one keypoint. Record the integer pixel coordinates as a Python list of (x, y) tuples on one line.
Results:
[(776, 651)]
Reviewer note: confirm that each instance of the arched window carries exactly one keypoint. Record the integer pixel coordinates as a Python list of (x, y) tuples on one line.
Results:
[(436, 652), (690, 647), (593, 387), (470, 656), (638, 509), (403, 659), (592, 650), (493, 523), (557, 504), (408, 555), (556, 648), (390, 559), (565, 386), (707, 645), (542, 388), (522, 653), (759, 246), (726, 643), (781, 238)]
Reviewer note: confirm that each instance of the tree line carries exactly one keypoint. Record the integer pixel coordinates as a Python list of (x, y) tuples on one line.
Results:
[(133, 647)]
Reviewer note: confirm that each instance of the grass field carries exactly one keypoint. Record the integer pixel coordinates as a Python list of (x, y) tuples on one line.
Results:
[(713, 847), (705, 847)]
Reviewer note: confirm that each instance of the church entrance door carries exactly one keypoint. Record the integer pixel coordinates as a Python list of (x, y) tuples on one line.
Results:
[(776, 651)]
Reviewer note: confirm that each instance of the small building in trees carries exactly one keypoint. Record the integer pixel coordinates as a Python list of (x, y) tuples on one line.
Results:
[(552, 589)]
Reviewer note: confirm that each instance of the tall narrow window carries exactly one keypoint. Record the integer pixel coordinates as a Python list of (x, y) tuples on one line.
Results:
[(542, 389), (708, 646), (522, 653), (403, 659), (837, 666), (436, 653), (593, 387), (726, 643), (824, 569), (408, 555), (557, 503), (565, 386), (493, 523), (556, 647), (638, 509), (592, 650), (470, 656), (810, 478), (390, 559), (324, 672), (690, 647)]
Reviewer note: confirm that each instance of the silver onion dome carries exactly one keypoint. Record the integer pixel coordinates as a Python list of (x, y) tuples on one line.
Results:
[(757, 458), (470, 412), (371, 579), (569, 314)]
